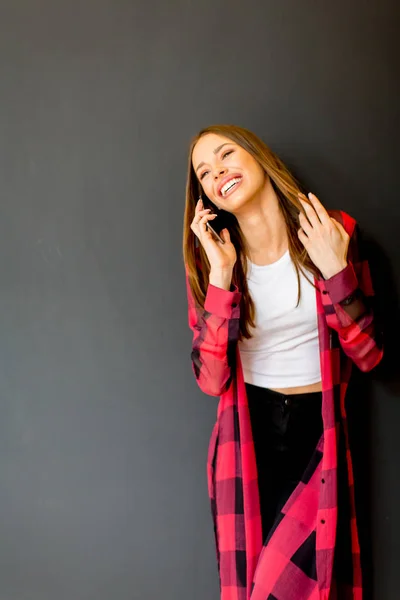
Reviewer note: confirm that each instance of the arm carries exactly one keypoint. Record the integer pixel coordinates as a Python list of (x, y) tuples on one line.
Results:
[(215, 333), (347, 298)]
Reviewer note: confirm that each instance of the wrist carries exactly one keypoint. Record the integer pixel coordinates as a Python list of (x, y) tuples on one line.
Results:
[(221, 278), (334, 270)]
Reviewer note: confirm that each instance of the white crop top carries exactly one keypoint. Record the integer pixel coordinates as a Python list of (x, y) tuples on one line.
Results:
[(284, 349)]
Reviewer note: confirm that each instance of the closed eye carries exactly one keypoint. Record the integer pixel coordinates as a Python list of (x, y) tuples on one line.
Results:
[(223, 156)]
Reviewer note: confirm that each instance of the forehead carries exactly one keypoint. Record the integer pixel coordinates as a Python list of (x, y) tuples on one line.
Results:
[(205, 146)]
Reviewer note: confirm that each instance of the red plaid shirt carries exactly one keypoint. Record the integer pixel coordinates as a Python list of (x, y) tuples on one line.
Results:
[(296, 562)]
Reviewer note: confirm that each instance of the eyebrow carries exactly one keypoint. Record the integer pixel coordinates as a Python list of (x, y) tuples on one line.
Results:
[(215, 152)]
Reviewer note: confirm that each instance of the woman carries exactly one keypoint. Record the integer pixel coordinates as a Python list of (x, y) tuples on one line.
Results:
[(280, 308)]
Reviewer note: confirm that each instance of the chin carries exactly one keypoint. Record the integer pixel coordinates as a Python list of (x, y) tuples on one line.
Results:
[(238, 203)]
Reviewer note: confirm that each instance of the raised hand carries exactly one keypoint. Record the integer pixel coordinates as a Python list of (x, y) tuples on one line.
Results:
[(324, 238), (221, 256)]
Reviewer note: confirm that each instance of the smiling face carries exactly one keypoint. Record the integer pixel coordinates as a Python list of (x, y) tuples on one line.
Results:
[(228, 174)]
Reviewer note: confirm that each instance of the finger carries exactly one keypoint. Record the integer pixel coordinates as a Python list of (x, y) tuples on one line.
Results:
[(197, 217), (319, 209), (345, 235), (338, 225), (305, 224), (197, 226), (203, 221), (302, 237), (199, 205), (310, 212), (201, 213), (225, 235)]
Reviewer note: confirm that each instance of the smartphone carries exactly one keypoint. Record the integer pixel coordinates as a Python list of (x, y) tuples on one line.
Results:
[(217, 224)]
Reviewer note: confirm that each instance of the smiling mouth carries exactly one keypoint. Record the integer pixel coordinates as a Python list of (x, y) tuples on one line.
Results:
[(229, 187)]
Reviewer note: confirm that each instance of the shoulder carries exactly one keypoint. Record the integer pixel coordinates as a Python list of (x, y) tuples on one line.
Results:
[(348, 222)]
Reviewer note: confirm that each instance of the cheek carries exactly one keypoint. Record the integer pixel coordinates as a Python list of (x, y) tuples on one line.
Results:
[(206, 189), (256, 174), (252, 167)]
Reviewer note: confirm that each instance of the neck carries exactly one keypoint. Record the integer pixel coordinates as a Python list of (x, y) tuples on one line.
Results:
[(264, 228)]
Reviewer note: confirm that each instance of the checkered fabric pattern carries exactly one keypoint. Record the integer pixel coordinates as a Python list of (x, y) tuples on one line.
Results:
[(298, 560)]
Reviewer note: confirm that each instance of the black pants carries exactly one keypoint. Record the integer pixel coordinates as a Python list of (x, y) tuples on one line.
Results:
[(286, 430)]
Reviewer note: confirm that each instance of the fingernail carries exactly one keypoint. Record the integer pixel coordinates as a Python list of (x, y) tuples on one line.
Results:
[(310, 194)]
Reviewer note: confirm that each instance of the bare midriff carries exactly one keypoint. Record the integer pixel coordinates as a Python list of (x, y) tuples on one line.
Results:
[(302, 389)]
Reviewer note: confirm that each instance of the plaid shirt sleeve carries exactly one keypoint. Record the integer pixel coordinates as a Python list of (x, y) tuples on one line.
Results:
[(347, 300), (215, 330)]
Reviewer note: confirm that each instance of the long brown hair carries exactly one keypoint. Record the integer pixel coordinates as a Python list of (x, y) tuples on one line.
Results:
[(287, 189)]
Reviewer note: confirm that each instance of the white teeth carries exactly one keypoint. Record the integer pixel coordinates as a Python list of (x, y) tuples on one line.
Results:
[(228, 185)]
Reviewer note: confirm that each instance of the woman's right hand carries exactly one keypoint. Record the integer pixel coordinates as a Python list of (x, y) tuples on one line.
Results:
[(221, 256)]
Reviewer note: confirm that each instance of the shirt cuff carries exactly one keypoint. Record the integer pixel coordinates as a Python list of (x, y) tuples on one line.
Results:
[(223, 303), (342, 285)]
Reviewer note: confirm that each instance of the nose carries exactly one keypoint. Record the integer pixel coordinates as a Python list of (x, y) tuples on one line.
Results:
[(219, 171)]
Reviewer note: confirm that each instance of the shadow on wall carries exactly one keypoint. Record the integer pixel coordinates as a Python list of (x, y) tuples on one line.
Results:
[(360, 418), (387, 310)]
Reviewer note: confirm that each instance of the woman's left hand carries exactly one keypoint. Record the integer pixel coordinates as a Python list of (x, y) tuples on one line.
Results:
[(324, 238)]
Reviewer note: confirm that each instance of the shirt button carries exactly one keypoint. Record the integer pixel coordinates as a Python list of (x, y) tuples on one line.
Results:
[(287, 401), (323, 480), (323, 521)]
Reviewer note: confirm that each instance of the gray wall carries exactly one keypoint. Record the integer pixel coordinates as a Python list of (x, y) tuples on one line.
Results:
[(103, 432)]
